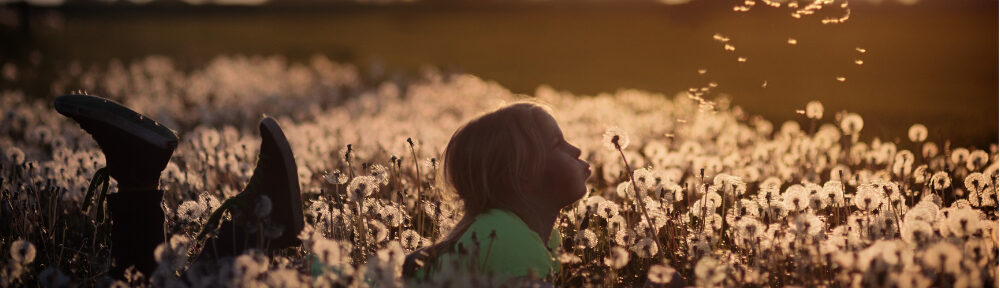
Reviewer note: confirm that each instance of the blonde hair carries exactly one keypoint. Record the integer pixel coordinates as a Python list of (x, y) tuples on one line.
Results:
[(492, 161)]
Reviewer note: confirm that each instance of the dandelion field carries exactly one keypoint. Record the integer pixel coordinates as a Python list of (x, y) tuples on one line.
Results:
[(727, 198)]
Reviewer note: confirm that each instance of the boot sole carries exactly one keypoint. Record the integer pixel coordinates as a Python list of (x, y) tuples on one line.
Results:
[(269, 128), (113, 114)]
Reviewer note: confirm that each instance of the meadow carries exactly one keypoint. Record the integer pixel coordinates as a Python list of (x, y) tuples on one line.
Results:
[(711, 192)]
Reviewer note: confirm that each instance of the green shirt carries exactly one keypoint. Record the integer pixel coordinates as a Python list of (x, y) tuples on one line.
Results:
[(517, 251)]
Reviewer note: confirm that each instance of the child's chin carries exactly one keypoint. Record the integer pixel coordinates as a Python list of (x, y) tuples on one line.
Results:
[(579, 193)]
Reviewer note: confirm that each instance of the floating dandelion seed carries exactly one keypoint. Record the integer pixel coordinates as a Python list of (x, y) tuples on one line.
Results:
[(792, 41), (841, 19), (713, 84), (860, 50), (764, 85), (741, 59), (841, 78), (720, 38), (729, 47), (702, 71), (800, 111), (859, 62)]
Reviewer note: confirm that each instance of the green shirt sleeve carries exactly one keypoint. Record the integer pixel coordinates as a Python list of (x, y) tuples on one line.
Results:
[(515, 251)]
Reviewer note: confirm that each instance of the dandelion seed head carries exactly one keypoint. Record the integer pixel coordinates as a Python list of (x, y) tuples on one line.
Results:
[(362, 187), (615, 138), (963, 222), (942, 256), (587, 238), (392, 215), (617, 259), (851, 123), (976, 183), (710, 271), (625, 190), (646, 248), (381, 174), (616, 223), (868, 198), (959, 156), (625, 237), (814, 110), (917, 232), (22, 252), (796, 198), (569, 258), (660, 274), (336, 177), (607, 209), (940, 180), (977, 159), (14, 155), (191, 211)]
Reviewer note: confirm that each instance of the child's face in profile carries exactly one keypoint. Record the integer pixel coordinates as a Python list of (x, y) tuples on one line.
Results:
[(564, 177)]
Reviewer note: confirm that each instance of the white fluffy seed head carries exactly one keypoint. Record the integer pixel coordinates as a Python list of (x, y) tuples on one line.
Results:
[(917, 133)]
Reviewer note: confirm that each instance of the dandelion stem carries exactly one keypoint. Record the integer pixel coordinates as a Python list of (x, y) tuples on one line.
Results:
[(638, 197)]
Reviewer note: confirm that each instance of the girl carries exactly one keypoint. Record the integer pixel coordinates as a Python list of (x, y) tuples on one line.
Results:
[(513, 171)]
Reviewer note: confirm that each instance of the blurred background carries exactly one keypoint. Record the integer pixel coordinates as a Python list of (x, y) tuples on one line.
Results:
[(894, 62)]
